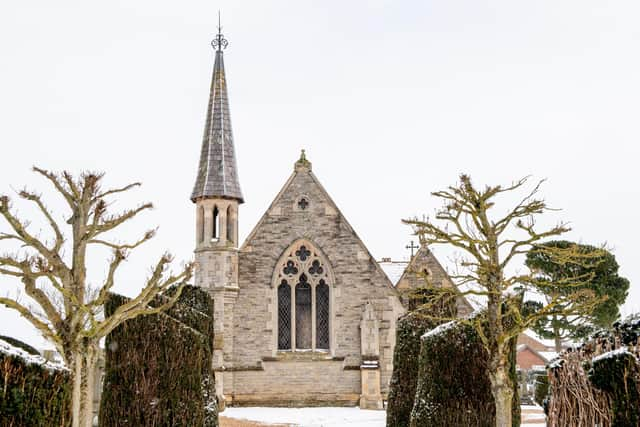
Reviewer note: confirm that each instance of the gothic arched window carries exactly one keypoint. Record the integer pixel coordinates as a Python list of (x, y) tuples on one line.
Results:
[(322, 315), (284, 316), (303, 295), (230, 229)]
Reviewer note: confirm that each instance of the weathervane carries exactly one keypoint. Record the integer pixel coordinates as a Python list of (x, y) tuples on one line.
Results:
[(219, 42)]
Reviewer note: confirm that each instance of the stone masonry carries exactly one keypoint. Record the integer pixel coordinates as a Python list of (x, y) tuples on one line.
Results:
[(256, 372)]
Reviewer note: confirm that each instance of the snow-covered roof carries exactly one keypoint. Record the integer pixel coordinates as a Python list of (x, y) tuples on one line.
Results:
[(29, 359), (548, 355), (393, 269), (543, 341)]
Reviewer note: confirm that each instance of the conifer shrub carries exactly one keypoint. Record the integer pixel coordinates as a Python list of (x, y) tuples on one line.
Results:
[(453, 385), (34, 392), (541, 390), (410, 328), (158, 367), (617, 373)]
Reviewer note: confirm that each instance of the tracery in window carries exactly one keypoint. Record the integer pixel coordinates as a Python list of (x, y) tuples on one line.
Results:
[(303, 296)]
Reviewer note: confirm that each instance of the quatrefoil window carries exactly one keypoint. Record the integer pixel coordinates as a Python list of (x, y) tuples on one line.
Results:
[(303, 253)]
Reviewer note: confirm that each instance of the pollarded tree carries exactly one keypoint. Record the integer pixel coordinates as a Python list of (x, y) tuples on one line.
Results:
[(490, 246), (604, 281), (68, 312)]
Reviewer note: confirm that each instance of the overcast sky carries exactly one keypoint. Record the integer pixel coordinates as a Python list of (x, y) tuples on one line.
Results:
[(391, 100)]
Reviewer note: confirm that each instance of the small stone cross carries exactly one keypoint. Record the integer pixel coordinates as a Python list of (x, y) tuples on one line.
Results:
[(412, 246)]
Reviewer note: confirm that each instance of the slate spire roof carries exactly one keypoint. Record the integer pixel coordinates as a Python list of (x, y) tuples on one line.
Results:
[(217, 170)]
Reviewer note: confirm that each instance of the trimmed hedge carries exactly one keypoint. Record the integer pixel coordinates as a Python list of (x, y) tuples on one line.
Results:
[(34, 393), (404, 379), (158, 367), (21, 345), (453, 386), (617, 373)]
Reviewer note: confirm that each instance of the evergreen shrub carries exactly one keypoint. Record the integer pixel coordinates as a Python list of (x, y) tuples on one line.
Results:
[(617, 373), (158, 367), (34, 392), (410, 328), (453, 385), (541, 389)]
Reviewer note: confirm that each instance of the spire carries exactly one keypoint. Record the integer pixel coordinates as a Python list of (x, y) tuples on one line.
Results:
[(217, 170)]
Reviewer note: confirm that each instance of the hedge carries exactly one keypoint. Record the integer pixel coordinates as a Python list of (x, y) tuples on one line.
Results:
[(617, 373), (598, 383), (158, 367), (404, 379), (453, 385), (34, 392)]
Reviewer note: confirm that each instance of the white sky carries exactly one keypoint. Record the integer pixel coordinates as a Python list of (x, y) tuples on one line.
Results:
[(391, 100)]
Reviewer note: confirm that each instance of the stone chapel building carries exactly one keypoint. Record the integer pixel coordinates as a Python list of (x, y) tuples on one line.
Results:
[(304, 315)]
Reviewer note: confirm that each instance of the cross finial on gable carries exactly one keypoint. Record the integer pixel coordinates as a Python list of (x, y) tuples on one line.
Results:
[(412, 246)]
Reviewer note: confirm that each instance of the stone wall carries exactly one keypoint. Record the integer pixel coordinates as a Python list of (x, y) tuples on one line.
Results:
[(296, 382), (357, 280)]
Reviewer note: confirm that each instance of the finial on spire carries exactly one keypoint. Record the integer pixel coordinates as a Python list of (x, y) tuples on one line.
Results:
[(219, 42)]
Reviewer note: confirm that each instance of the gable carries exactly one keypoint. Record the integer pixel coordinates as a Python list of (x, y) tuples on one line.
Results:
[(310, 213), (425, 268)]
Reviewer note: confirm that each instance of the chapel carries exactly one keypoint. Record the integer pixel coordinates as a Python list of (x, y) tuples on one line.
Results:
[(304, 315)]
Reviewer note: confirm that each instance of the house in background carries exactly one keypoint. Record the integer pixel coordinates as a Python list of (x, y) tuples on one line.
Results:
[(533, 353)]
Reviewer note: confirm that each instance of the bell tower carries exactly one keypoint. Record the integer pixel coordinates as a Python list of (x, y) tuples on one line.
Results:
[(217, 195)]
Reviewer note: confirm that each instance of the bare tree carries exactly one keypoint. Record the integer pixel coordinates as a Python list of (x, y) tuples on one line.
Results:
[(68, 312), (488, 248)]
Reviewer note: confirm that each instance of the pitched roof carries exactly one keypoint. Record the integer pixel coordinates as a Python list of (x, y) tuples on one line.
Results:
[(393, 269), (303, 167), (217, 171)]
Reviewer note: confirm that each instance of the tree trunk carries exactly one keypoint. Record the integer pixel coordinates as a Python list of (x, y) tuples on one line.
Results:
[(502, 391), (83, 373), (556, 335)]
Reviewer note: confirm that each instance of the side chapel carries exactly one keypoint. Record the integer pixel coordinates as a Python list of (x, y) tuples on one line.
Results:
[(304, 315)]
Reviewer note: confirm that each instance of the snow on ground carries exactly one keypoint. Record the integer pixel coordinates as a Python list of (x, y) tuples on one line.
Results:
[(339, 417), (532, 415), (311, 417)]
